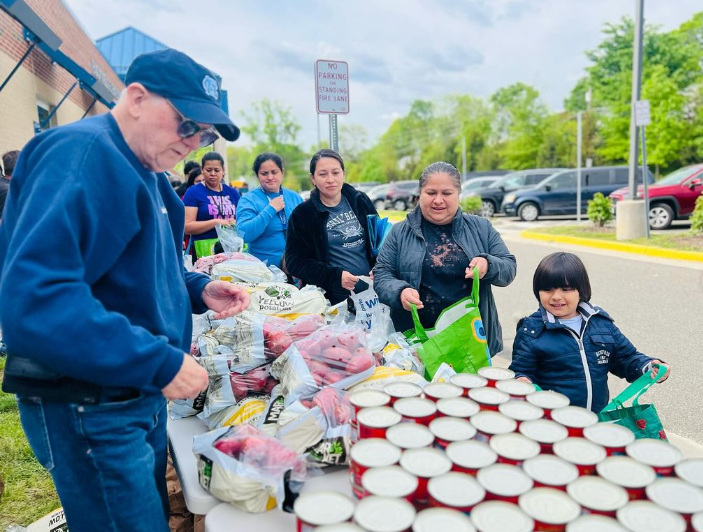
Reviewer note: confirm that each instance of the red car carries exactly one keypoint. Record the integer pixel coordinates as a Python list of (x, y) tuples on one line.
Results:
[(672, 198)]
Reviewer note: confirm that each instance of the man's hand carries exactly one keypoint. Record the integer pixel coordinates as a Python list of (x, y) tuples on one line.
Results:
[(349, 281), (654, 370), (225, 299), (524, 379), (190, 380), (482, 268), (278, 203), (410, 296)]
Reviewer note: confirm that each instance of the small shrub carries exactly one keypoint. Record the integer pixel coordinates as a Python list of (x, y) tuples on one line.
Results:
[(472, 205), (697, 217), (600, 210)]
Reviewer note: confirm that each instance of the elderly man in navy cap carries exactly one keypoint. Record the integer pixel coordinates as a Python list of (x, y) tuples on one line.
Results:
[(95, 304)]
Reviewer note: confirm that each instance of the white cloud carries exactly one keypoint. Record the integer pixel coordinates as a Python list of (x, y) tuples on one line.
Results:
[(398, 50)]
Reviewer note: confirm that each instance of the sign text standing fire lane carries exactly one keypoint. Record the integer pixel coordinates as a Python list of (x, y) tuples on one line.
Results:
[(332, 86)]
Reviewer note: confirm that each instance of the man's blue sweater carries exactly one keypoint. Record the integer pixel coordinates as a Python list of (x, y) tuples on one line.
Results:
[(92, 283)]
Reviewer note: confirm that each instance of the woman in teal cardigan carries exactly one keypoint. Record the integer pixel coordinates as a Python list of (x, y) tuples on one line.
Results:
[(262, 214)]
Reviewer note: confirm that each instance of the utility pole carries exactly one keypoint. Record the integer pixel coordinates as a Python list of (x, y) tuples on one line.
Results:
[(463, 159), (579, 136), (630, 218)]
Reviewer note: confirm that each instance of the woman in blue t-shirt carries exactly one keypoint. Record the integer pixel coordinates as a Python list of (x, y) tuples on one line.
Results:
[(262, 214), (211, 203)]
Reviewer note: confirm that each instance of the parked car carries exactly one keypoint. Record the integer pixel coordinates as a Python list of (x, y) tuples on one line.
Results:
[(365, 186), (492, 196), (402, 195), (557, 194), (474, 184), (672, 198), (377, 195)]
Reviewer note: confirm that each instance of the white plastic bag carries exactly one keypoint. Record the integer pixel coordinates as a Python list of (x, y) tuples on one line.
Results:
[(373, 316)]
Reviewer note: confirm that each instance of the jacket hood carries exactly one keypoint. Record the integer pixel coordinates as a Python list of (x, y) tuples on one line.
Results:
[(348, 192), (415, 221)]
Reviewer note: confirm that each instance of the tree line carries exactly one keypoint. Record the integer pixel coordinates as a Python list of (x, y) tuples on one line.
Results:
[(513, 128)]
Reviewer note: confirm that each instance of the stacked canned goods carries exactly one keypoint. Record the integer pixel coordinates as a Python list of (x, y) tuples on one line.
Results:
[(488, 453)]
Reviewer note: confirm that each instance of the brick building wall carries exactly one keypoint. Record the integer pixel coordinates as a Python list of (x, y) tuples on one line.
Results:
[(39, 81)]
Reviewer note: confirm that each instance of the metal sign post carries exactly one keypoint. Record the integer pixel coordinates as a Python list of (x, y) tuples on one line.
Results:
[(332, 90), (643, 118)]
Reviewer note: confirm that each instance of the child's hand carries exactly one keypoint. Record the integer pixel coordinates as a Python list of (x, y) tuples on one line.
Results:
[(524, 379), (654, 370)]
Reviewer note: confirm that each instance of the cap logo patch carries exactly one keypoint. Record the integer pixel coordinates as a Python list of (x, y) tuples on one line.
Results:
[(211, 88)]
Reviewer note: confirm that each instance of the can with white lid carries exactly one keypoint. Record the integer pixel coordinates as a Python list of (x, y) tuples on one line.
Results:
[(384, 514), (416, 409), (627, 473), (435, 391), (470, 456), (371, 452), (645, 516), (317, 508), (442, 519), (595, 523), (575, 419), (391, 481), (447, 430), (368, 398), (614, 438), (340, 527), (461, 407), (585, 455), (690, 470), (425, 464), (498, 516), (468, 381), (513, 448), (504, 482), (373, 422), (488, 398), (676, 495), (551, 509), (401, 390), (548, 400), (489, 424), (597, 496), (456, 491), (516, 389), (493, 374), (659, 454), (697, 522), (549, 471), (410, 436), (521, 411), (545, 432)]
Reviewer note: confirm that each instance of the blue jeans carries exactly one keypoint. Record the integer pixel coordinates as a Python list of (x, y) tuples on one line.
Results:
[(108, 461)]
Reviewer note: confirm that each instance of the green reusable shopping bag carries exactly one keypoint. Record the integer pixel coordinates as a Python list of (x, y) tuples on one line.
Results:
[(458, 337), (204, 248), (642, 420)]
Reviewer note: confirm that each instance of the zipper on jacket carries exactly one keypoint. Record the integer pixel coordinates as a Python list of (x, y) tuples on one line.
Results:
[(584, 361)]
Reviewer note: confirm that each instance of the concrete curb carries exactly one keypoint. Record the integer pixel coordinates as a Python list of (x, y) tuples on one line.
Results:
[(624, 247)]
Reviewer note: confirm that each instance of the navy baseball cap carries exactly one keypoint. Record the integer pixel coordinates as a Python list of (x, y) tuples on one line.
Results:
[(189, 86)]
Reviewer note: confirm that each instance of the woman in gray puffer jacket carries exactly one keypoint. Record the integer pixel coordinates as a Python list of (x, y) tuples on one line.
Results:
[(428, 259)]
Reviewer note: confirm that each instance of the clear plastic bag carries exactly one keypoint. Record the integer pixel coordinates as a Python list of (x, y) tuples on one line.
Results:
[(287, 301), (335, 355), (228, 390), (247, 468), (231, 240)]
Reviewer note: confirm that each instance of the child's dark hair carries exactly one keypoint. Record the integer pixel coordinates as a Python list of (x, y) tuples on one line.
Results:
[(213, 156), (193, 175), (562, 270), (325, 153), (266, 156)]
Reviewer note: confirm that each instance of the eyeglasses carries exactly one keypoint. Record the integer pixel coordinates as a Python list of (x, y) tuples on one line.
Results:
[(188, 128)]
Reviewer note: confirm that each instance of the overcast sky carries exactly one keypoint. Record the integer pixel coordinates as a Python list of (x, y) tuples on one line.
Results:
[(397, 50)]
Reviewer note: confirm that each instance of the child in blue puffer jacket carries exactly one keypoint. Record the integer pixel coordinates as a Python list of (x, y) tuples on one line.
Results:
[(569, 345)]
